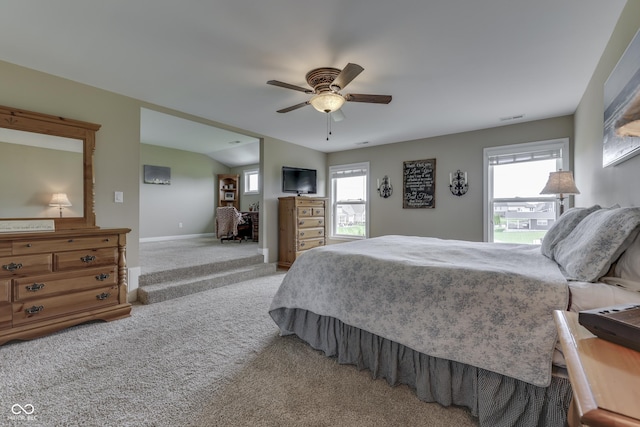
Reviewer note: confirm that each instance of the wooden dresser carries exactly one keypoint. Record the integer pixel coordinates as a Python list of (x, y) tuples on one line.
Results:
[(301, 226), (50, 281), (605, 377)]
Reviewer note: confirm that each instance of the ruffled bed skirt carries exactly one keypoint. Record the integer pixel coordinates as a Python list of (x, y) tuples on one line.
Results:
[(497, 400)]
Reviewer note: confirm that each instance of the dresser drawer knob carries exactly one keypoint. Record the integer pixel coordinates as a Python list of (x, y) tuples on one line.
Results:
[(34, 310), (35, 287), (88, 258), (29, 245), (102, 277), (302, 234), (12, 267), (103, 296), (70, 240), (302, 244)]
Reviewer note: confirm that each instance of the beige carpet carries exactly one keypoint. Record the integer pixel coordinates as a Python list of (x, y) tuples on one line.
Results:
[(208, 359)]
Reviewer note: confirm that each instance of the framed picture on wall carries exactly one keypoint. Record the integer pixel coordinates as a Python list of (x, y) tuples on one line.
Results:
[(157, 175), (621, 101), (229, 196)]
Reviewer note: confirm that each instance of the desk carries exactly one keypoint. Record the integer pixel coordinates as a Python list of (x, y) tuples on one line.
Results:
[(255, 223), (605, 377)]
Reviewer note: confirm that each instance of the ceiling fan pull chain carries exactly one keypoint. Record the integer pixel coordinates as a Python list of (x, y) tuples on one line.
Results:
[(328, 126)]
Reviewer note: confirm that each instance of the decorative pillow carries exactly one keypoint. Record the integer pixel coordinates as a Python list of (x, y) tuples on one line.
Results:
[(628, 265), (587, 253), (562, 227)]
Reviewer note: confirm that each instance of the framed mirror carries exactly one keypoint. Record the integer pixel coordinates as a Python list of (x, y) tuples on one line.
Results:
[(46, 167)]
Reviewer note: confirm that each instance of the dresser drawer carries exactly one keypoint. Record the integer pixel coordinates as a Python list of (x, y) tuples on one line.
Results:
[(308, 233), (84, 259), (305, 244), (16, 266), (303, 201), (310, 222), (56, 245), (42, 286), (307, 211), (35, 310)]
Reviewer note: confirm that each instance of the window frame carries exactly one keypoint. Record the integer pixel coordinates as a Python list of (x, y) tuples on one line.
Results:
[(334, 203), (563, 163), (245, 177)]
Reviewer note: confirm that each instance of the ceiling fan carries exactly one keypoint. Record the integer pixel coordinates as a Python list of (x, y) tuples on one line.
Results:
[(327, 83)]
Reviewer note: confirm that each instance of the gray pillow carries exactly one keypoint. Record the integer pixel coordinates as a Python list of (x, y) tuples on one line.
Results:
[(562, 227), (587, 253)]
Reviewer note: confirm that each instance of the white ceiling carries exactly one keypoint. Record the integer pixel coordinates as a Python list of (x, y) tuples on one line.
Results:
[(450, 65)]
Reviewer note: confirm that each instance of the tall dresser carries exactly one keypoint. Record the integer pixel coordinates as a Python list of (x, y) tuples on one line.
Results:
[(50, 281), (301, 226)]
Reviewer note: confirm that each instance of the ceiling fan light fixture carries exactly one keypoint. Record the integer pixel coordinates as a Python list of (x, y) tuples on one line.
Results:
[(327, 102)]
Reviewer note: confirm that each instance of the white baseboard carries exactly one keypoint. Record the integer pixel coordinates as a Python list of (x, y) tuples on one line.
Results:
[(180, 237), (132, 290), (265, 254)]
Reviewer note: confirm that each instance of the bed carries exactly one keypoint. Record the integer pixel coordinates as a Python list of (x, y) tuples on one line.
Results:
[(464, 323)]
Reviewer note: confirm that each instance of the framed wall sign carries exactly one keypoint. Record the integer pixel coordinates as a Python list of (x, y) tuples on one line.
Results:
[(419, 184)]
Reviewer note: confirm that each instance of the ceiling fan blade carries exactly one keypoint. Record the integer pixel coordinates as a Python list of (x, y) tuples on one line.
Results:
[(374, 99), (338, 115), (293, 107), (347, 74), (289, 86)]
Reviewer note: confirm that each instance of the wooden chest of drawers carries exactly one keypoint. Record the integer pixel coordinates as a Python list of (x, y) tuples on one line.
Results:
[(50, 281), (301, 226)]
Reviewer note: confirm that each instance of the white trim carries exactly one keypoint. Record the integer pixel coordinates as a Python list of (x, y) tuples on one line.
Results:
[(487, 216), (133, 275), (367, 202), (180, 237), (265, 254), (246, 181)]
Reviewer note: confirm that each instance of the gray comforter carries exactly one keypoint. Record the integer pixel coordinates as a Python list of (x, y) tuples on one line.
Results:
[(484, 304)]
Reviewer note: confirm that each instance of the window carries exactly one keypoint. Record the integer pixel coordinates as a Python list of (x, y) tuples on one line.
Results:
[(515, 211), (252, 181), (349, 200)]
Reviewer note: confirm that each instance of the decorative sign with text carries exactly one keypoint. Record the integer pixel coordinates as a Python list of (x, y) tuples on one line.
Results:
[(419, 184), (27, 226)]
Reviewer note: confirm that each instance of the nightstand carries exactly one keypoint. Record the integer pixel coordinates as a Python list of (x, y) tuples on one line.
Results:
[(605, 377)]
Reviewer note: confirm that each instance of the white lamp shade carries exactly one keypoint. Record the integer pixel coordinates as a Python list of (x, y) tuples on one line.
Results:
[(560, 182), (327, 102), (59, 199)]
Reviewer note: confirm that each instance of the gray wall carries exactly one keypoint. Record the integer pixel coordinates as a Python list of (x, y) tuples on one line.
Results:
[(189, 201), (453, 217), (614, 184)]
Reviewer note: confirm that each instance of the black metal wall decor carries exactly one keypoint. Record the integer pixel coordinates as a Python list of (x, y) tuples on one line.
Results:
[(385, 190), (458, 183)]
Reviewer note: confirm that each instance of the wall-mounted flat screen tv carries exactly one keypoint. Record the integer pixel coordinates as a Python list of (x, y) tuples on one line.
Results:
[(299, 180)]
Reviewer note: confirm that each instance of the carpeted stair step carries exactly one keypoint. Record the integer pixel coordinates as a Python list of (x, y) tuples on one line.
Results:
[(197, 271), (175, 288)]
